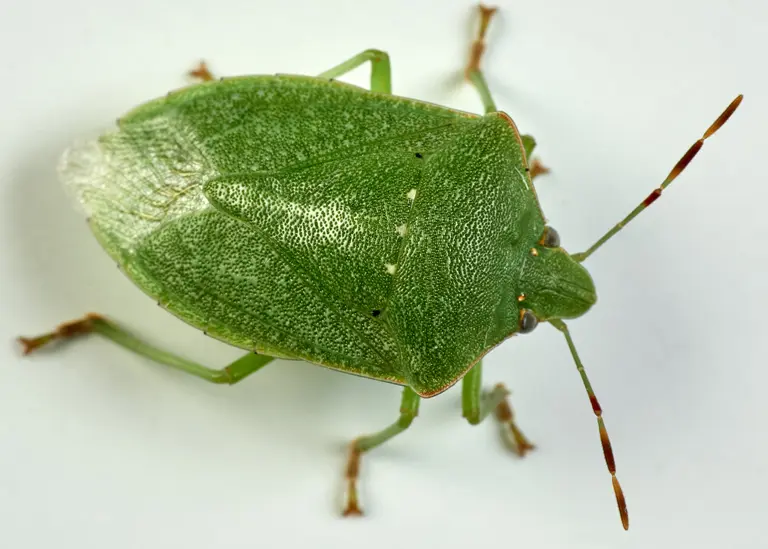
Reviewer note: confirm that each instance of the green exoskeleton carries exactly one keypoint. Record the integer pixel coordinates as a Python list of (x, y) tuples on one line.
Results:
[(299, 217)]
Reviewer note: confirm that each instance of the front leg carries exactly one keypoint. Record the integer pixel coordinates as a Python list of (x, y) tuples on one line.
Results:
[(477, 404)]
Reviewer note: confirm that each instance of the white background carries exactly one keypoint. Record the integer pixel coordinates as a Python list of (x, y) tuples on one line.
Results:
[(99, 448)]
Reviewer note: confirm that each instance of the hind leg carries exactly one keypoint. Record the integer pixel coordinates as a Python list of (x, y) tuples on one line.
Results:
[(409, 408), (97, 324)]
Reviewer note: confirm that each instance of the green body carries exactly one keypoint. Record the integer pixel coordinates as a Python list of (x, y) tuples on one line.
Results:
[(305, 218)]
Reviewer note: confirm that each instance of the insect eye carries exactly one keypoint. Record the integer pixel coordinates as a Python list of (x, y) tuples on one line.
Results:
[(550, 238), (528, 321)]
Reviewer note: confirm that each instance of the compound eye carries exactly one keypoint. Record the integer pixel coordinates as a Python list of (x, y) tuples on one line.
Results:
[(528, 321), (550, 238)]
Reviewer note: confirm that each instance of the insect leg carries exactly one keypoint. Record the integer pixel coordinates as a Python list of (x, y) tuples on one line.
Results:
[(477, 405), (472, 71), (201, 73), (536, 168), (381, 72), (93, 323), (409, 408)]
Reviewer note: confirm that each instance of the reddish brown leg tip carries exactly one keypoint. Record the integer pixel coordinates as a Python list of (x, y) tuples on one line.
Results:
[(30, 344), (478, 46), (27, 345), (521, 446), (201, 72), (487, 11), (502, 387), (537, 168), (513, 437), (63, 331), (352, 511), (524, 448)]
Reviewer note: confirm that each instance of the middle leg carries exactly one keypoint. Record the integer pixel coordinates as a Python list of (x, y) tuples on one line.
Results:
[(201, 73), (477, 405), (409, 408)]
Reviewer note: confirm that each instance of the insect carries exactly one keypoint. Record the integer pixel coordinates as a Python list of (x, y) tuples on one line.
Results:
[(303, 218)]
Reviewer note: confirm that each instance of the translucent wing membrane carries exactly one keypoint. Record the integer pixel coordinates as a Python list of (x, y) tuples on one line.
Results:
[(131, 181)]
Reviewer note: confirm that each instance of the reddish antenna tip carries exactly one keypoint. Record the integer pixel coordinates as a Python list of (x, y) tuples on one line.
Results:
[(686, 159), (723, 118), (622, 502)]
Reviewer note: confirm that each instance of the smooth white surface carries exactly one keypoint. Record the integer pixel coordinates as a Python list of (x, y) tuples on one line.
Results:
[(102, 449)]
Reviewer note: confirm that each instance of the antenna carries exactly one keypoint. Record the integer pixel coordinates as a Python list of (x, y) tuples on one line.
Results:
[(605, 441), (677, 170)]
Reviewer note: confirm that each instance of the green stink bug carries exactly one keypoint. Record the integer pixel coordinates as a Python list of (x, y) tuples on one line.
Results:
[(337, 198)]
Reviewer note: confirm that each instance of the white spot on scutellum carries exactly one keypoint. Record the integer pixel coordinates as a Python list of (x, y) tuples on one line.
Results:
[(391, 269), (411, 195), (401, 229)]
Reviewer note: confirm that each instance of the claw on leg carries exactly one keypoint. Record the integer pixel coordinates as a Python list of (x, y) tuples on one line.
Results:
[(201, 73), (478, 46), (352, 506), (537, 168), (512, 435), (409, 408), (64, 331)]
